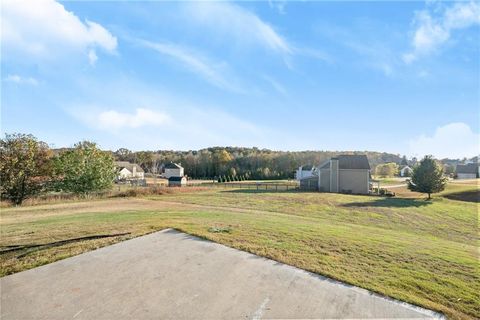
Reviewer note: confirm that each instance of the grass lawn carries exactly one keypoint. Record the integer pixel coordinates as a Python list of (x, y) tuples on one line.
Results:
[(421, 252), (386, 182)]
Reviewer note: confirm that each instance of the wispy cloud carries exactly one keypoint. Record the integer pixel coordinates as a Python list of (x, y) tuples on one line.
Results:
[(378, 56), (92, 57), (276, 85), (314, 53), (278, 5), (375, 53), (432, 30), (112, 119), (108, 119), (238, 23), (44, 29), (213, 72), (454, 140), (15, 78)]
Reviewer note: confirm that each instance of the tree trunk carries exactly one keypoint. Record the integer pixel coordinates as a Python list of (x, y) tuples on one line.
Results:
[(429, 196)]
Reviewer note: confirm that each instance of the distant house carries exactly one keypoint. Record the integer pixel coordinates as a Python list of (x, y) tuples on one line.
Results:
[(345, 174), (177, 181), (304, 172), (173, 170), (467, 171), (406, 171), (127, 170)]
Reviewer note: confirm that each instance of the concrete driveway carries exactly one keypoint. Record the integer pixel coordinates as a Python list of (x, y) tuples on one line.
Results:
[(172, 275)]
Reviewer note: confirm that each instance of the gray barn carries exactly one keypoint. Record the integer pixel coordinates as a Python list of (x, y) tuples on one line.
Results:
[(345, 174)]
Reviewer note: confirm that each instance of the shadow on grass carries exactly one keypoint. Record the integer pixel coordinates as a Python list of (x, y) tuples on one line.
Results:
[(469, 196), (29, 248), (389, 202)]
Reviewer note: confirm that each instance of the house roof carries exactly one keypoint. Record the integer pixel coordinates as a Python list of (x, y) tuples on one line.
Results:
[(325, 165), (467, 168), (175, 178), (348, 161), (172, 165), (353, 162), (406, 168), (127, 165)]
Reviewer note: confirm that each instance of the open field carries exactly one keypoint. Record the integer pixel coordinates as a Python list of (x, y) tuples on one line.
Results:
[(421, 252)]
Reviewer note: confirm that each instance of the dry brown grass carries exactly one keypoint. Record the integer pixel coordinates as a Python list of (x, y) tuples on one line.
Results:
[(117, 192)]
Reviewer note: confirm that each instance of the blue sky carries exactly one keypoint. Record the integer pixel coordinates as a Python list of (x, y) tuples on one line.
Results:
[(399, 77)]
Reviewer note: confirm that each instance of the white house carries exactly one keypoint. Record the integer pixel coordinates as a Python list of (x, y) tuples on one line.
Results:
[(173, 170), (406, 171), (304, 172), (467, 171), (127, 170)]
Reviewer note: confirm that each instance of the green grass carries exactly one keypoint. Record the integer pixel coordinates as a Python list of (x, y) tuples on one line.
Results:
[(422, 252), (385, 182)]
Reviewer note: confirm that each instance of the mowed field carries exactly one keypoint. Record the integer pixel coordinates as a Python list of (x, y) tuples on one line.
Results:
[(422, 252)]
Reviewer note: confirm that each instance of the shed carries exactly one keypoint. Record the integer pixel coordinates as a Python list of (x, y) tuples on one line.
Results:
[(177, 181)]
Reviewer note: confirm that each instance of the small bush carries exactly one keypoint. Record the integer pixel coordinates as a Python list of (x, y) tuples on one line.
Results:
[(220, 229), (386, 193)]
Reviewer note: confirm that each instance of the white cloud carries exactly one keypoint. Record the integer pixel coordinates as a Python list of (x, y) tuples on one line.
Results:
[(195, 63), (239, 23), (433, 31), (142, 117), (44, 29), (454, 140), (14, 78)]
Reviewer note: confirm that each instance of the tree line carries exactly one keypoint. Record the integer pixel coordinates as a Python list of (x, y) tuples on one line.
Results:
[(231, 162), (28, 166)]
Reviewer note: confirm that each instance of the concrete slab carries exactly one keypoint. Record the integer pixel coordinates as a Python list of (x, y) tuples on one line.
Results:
[(172, 275)]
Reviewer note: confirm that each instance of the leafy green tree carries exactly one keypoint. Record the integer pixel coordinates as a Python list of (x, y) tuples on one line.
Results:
[(124, 154), (84, 169), (449, 169), (25, 167), (386, 169), (144, 159), (220, 160), (427, 177)]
